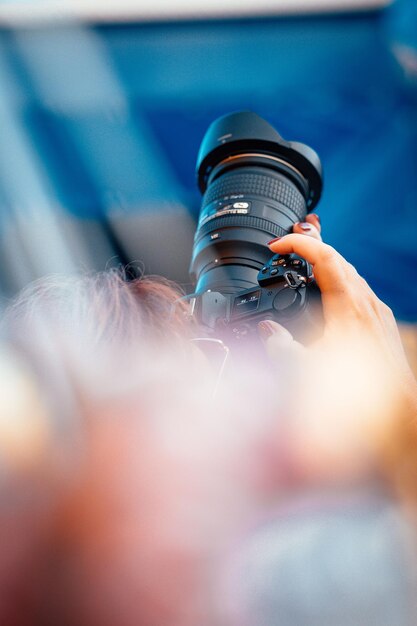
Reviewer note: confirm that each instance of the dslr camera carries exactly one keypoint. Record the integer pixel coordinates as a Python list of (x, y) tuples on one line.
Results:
[(255, 187)]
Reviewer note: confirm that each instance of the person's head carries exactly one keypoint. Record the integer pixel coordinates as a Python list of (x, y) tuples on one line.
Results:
[(152, 478)]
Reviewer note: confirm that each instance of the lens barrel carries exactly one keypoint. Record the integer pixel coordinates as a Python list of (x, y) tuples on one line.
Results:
[(256, 186)]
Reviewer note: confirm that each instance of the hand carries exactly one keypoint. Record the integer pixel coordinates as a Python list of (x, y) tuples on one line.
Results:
[(357, 382)]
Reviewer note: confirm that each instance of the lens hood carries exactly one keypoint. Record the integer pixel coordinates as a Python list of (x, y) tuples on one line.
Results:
[(246, 133)]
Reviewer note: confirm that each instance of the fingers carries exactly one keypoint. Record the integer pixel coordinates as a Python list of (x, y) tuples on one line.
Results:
[(278, 340), (313, 218), (348, 301), (330, 269), (344, 297), (310, 227), (268, 329)]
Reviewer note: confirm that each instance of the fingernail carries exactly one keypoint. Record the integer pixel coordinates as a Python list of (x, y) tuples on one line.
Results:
[(305, 226), (265, 329), (273, 240), (316, 216)]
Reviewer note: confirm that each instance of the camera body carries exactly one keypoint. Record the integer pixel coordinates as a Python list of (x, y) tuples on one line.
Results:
[(255, 187), (286, 293)]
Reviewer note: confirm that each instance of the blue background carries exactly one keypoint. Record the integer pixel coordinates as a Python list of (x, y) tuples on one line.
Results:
[(126, 145)]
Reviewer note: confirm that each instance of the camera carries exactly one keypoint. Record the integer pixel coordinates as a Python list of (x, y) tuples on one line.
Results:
[(255, 187)]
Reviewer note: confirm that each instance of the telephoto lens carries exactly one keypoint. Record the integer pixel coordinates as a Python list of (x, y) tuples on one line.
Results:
[(256, 186)]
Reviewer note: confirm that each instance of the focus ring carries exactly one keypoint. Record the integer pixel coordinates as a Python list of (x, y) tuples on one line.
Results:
[(247, 221), (256, 185)]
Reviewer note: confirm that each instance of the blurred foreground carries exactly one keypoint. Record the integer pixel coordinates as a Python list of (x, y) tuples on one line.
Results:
[(137, 488)]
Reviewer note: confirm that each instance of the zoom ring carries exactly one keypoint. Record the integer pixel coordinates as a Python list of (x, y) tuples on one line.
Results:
[(248, 221), (256, 185)]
